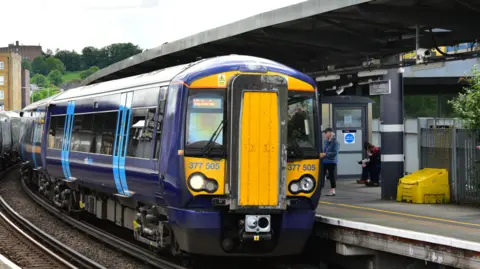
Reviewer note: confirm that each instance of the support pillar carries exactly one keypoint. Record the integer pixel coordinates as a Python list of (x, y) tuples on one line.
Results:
[(392, 134)]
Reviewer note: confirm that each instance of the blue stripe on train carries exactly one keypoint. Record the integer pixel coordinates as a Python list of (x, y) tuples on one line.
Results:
[(67, 155), (128, 116), (64, 140), (67, 133), (115, 151)]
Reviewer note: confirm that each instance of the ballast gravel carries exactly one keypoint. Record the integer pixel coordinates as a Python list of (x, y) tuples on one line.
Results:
[(11, 190)]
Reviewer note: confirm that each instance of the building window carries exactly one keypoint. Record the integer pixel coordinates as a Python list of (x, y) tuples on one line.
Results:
[(2, 80), (2, 95), (2, 65)]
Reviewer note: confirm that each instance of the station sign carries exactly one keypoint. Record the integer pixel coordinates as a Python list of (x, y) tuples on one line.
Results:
[(380, 87)]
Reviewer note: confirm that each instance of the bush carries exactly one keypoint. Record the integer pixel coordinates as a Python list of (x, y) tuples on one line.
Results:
[(40, 80), (466, 103), (55, 77), (86, 73)]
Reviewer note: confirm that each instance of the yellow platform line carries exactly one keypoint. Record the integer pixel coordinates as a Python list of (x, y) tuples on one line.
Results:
[(401, 214)]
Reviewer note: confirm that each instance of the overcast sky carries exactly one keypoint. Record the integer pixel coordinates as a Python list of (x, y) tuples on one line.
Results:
[(74, 24)]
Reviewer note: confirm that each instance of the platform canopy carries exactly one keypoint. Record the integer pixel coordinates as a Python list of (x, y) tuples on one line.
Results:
[(312, 35)]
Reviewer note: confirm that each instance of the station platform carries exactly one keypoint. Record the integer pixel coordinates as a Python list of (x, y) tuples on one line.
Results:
[(357, 211)]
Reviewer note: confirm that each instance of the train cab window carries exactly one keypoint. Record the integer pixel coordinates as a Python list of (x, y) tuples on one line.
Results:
[(301, 123), (205, 118), (83, 137), (141, 133)]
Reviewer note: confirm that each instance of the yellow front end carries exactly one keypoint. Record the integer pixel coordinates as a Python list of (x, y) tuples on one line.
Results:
[(259, 149)]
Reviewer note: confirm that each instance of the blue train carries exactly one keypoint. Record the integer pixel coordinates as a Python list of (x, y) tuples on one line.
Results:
[(217, 157)]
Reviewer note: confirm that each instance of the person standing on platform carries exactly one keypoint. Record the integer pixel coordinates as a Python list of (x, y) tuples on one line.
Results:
[(330, 158)]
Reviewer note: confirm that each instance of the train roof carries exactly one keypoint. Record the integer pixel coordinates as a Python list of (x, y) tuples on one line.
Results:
[(186, 73), (9, 114)]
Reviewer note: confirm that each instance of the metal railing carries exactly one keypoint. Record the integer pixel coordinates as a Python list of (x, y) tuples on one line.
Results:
[(456, 150)]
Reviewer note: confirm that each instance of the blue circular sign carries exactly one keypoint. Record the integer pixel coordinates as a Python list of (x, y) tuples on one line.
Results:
[(349, 138)]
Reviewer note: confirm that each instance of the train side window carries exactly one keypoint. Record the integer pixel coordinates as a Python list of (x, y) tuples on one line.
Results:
[(105, 131), (83, 137), (59, 130), (141, 133), (51, 132)]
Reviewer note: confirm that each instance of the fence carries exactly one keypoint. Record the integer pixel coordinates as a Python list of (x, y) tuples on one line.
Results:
[(454, 149)]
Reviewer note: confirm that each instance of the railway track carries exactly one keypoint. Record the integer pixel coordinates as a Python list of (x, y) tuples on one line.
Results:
[(124, 246), (29, 247)]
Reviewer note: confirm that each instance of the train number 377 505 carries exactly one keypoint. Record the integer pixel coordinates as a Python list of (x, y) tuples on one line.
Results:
[(297, 167), (208, 166)]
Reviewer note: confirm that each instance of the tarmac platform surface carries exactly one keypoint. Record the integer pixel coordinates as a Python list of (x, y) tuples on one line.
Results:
[(360, 204)]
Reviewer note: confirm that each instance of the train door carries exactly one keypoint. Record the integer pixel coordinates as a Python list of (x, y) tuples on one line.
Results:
[(134, 167), (37, 130), (258, 140)]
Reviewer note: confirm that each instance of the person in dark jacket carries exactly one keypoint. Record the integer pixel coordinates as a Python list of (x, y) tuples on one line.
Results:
[(365, 168), (330, 158), (371, 165)]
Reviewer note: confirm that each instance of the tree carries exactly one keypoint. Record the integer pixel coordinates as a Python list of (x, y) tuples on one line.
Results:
[(71, 59), (39, 66), (27, 65), (49, 53), (40, 80), (55, 77), (466, 103), (85, 74), (55, 64), (44, 93), (90, 57)]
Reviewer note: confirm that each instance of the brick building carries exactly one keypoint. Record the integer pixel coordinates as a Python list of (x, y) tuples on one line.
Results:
[(10, 81), (26, 52)]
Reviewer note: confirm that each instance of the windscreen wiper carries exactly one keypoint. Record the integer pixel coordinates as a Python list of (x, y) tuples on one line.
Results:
[(296, 147), (209, 146)]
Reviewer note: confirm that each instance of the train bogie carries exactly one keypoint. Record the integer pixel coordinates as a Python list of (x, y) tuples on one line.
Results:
[(218, 157)]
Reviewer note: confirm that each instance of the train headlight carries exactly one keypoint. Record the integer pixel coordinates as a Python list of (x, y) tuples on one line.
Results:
[(307, 184), (294, 187), (197, 182), (211, 186)]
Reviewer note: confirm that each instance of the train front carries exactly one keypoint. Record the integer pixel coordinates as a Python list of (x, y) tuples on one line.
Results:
[(251, 160)]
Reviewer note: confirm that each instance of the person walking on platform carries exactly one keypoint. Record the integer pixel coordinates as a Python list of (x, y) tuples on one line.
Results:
[(371, 165), (330, 158)]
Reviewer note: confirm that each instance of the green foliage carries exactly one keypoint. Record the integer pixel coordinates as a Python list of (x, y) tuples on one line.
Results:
[(108, 55), (55, 64), (55, 77), (88, 72), (70, 76), (40, 80), (466, 104), (26, 64), (71, 59), (90, 56), (39, 66), (44, 93)]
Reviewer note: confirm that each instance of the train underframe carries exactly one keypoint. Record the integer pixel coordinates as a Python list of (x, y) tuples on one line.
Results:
[(185, 231)]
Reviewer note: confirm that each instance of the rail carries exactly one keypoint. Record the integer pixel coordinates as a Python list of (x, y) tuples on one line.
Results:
[(50, 245), (111, 240)]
